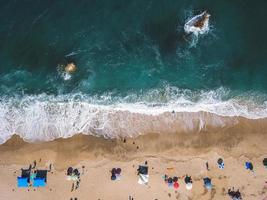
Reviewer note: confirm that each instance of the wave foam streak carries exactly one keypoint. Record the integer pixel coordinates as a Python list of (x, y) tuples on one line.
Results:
[(45, 117)]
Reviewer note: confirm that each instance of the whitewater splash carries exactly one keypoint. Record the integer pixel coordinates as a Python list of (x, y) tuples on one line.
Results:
[(46, 117), (198, 24)]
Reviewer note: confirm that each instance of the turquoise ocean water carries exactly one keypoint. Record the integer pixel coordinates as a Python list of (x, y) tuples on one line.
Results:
[(130, 55)]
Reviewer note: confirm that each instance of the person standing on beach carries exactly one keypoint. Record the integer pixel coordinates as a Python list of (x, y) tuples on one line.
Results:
[(72, 187), (34, 164), (77, 184), (50, 167), (207, 166)]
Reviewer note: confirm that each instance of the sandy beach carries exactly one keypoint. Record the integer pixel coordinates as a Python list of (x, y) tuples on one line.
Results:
[(174, 154)]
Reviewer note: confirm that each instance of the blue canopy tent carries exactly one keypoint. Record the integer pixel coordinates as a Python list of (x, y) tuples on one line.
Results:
[(22, 182), (39, 182), (41, 178), (24, 179)]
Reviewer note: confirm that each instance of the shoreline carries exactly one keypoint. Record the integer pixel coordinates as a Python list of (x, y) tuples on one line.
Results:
[(186, 153), (124, 124)]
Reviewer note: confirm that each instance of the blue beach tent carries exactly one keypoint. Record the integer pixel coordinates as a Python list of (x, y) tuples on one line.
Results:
[(22, 182), (41, 178), (24, 179), (39, 182)]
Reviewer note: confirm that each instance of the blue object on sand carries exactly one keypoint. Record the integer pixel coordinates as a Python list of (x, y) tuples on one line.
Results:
[(220, 163), (207, 183), (249, 166), (113, 177), (22, 182), (170, 184), (39, 182), (221, 166)]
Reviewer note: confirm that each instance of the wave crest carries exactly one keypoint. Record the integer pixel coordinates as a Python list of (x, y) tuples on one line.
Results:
[(46, 117)]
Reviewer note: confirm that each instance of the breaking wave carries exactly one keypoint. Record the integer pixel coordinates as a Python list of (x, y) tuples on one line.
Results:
[(46, 117)]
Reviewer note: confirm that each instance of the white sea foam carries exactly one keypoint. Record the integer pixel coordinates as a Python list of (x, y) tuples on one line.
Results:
[(190, 27), (46, 117), (195, 31)]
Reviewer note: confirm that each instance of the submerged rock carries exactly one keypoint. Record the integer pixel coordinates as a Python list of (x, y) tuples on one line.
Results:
[(198, 24), (70, 68)]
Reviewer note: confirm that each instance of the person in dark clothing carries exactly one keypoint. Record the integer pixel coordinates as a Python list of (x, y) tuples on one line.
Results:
[(69, 171), (50, 167), (34, 164), (77, 184), (72, 187), (207, 166)]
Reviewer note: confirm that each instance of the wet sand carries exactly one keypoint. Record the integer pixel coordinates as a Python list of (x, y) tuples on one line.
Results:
[(173, 154)]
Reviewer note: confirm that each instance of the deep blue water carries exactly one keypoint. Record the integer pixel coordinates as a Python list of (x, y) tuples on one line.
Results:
[(131, 46)]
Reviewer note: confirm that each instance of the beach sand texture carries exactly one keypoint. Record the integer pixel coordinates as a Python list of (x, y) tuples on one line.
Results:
[(173, 154)]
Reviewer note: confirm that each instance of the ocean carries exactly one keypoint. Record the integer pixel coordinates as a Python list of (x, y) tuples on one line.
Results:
[(134, 61)]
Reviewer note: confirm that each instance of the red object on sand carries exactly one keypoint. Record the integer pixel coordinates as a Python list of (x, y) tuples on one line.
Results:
[(176, 185)]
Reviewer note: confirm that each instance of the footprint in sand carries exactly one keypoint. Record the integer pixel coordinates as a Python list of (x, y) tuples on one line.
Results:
[(213, 192)]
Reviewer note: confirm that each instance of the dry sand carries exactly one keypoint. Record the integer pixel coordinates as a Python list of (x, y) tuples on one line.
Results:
[(183, 153)]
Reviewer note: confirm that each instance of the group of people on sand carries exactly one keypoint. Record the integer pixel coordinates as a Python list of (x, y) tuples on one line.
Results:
[(172, 181), (74, 175)]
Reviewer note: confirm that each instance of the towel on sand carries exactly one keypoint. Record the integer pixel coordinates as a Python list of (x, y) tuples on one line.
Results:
[(143, 179)]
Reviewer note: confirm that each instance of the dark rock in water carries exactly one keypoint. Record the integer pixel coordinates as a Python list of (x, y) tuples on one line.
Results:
[(198, 24)]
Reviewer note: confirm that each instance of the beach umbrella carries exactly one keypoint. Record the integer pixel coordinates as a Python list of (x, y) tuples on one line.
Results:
[(113, 171), (188, 179), (189, 186), (220, 161), (169, 180), (249, 166), (118, 171), (69, 171), (176, 185), (175, 179), (207, 183)]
